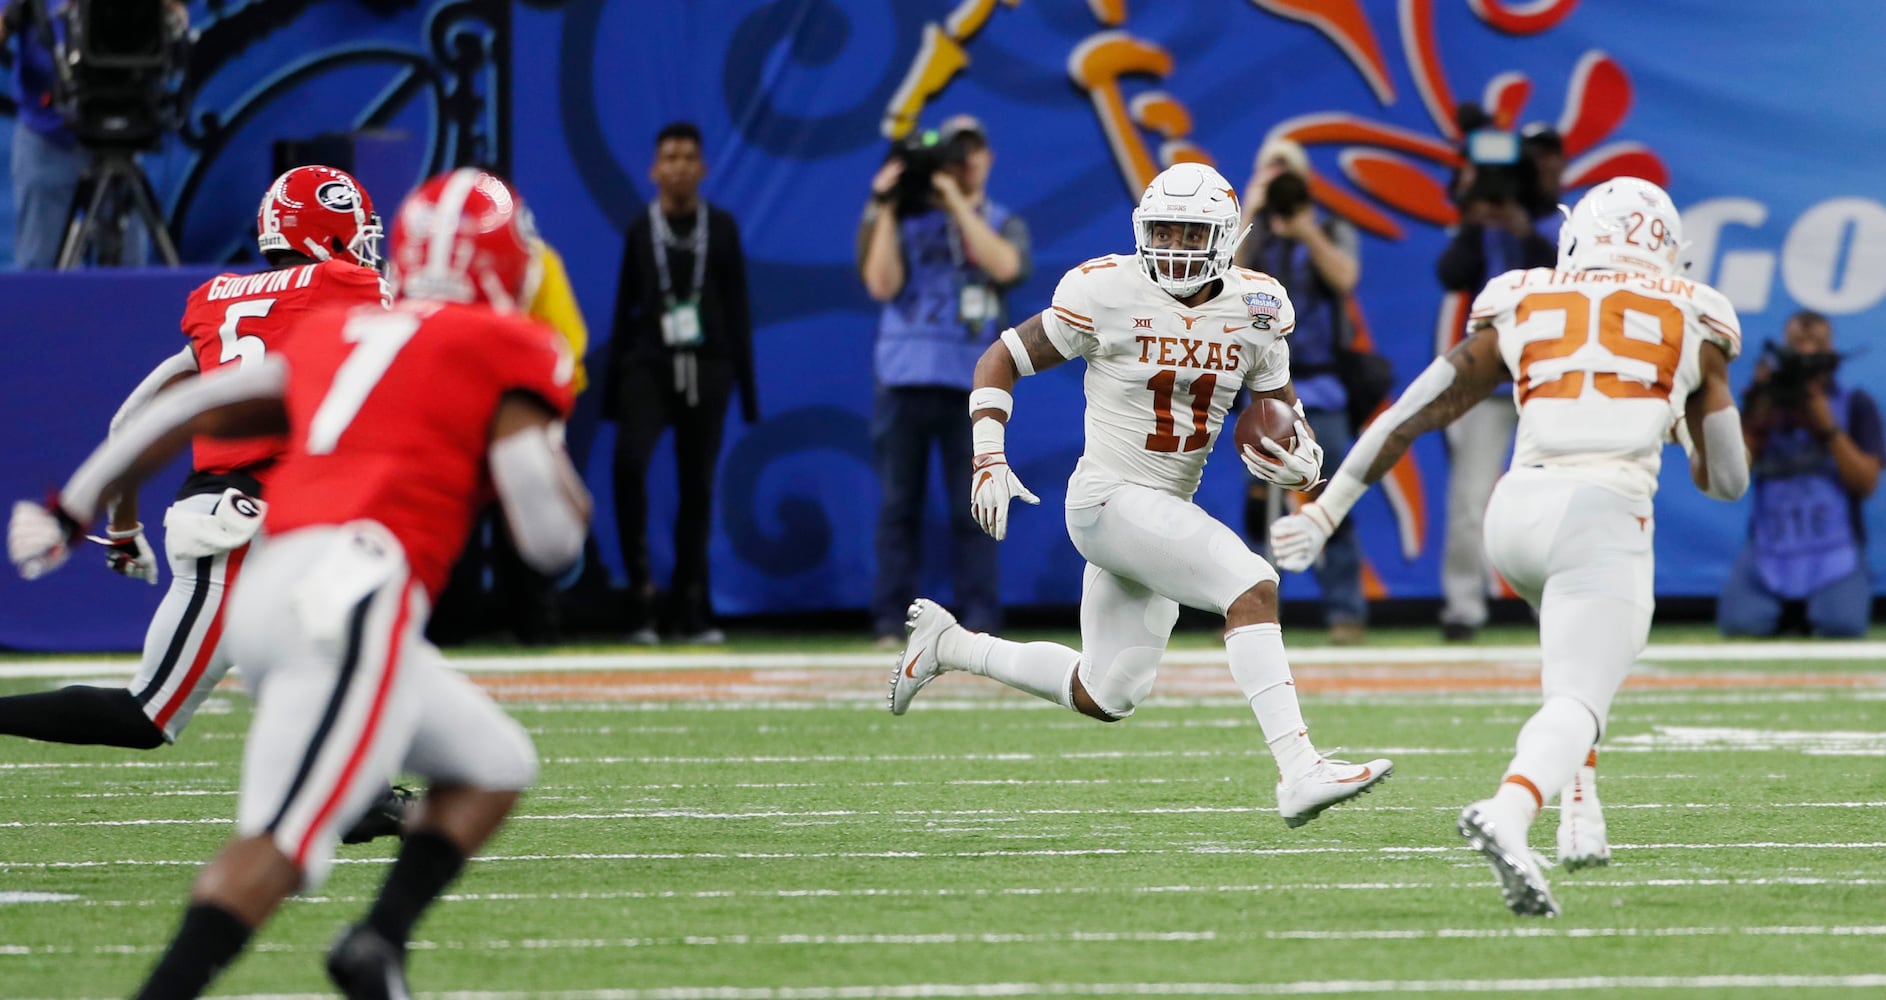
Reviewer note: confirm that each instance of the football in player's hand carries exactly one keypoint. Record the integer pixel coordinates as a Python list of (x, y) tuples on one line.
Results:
[(1266, 417)]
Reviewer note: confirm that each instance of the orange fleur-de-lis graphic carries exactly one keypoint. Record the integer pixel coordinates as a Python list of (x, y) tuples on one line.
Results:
[(1393, 165)]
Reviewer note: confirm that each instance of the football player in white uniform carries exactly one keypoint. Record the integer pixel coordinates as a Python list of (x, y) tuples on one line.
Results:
[(1170, 335), (1609, 352)]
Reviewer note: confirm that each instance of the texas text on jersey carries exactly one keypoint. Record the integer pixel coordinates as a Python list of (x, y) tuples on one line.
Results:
[(239, 318), (1160, 374), (1603, 362), (369, 390)]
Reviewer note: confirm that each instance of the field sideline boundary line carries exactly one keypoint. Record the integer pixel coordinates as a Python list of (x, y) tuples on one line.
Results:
[(1307, 987), (1655, 654)]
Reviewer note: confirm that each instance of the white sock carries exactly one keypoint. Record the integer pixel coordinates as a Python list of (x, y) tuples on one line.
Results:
[(1584, 783), (1552, 746), (1262, 671), (1043, 669)]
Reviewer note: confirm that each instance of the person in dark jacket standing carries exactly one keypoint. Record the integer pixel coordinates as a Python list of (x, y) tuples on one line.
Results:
[(682, 342)]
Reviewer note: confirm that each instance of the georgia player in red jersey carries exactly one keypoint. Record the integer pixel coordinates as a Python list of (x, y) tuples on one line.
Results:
[(317, 229), (329, 623)]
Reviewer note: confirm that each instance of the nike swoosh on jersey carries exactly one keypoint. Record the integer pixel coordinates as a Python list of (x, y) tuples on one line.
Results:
[(1233, 327)]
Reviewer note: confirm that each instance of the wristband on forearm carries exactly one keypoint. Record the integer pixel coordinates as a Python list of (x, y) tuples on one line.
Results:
[(1338, 497)]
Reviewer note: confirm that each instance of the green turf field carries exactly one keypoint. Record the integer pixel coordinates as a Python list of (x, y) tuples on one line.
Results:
[(783, 836)]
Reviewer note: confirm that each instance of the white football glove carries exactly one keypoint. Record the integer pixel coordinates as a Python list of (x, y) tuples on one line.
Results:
[(1296, 469), (39, 540), (129, 554), (994, 485), (1296, 540)]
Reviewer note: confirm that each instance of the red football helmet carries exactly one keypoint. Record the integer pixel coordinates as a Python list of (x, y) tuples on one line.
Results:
[(465, 236), (321, 212)]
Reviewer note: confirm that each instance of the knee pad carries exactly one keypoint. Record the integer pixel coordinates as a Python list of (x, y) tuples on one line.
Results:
[(1118, 687), (512, 764)]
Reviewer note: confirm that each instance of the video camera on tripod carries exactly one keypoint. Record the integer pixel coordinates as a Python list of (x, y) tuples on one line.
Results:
[(115, 60)]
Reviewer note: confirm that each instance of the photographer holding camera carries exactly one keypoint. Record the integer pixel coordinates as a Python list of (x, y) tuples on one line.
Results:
[(941, 257), (1815, 450), (1508, 221), (1318, 260)]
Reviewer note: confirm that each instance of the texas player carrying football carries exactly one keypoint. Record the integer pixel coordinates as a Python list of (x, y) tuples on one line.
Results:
[(1609, 352), (317, 229), (1170, 334)]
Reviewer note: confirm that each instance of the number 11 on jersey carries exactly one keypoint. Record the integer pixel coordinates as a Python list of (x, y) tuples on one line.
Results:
[(1163, 437)]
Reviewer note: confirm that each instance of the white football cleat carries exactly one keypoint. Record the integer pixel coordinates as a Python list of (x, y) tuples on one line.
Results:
[(1329, 782), (917, 665), (1502, 838), (1582, 842)]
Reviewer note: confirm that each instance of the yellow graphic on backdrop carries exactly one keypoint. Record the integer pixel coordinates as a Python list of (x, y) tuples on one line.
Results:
[(1097, 66)]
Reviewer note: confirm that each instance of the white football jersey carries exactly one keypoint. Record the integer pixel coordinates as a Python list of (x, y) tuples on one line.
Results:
[(1161, 375), (1603, 363)]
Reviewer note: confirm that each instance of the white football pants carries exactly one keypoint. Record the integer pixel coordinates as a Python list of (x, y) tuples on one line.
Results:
[(329, 627), (1147, 553), (1580, 554), (184, 656)]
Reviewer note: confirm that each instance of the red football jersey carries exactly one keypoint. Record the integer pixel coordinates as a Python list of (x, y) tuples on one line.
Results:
[(240, 318), (389, 419)]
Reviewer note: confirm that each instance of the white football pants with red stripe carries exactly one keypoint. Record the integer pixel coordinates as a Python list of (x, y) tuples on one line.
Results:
[(183, 648), (329, 627)]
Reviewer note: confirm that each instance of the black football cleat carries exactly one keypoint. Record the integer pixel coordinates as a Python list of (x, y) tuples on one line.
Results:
[(385, 818), (366, 966)]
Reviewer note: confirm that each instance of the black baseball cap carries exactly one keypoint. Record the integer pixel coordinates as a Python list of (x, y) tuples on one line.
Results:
[(965, 124), (1542, 134)]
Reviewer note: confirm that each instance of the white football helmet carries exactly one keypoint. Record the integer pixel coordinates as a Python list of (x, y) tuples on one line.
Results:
[(1624, 224), (1188, 193)]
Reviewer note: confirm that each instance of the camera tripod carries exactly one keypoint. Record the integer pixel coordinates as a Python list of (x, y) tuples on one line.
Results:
[(112, 187)]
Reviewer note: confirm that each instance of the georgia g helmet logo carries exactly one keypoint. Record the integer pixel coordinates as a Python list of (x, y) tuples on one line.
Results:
[(338, 196)]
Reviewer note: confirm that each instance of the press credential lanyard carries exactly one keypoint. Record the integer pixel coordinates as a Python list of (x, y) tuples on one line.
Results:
[(975, 303), (681, 320)]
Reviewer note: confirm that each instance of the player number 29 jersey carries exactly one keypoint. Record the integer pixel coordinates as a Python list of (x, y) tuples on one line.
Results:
[(1603, 363), (1162, 375)]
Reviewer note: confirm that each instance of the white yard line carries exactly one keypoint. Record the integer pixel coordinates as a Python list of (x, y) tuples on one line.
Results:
[(1743, 652), (991, 815), (959, 938), (1313, 987), (1305, 987), (1470, 882), (1197, 850)]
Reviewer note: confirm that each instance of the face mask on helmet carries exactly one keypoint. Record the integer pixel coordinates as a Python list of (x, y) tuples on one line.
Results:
[(1626, 224), (366, 244), (1186, 228)]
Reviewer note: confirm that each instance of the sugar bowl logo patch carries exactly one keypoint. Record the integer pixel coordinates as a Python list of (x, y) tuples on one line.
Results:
[(1264, 307)]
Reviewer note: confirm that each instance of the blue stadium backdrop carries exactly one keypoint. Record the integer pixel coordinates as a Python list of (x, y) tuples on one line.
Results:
[(1757, 125)]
